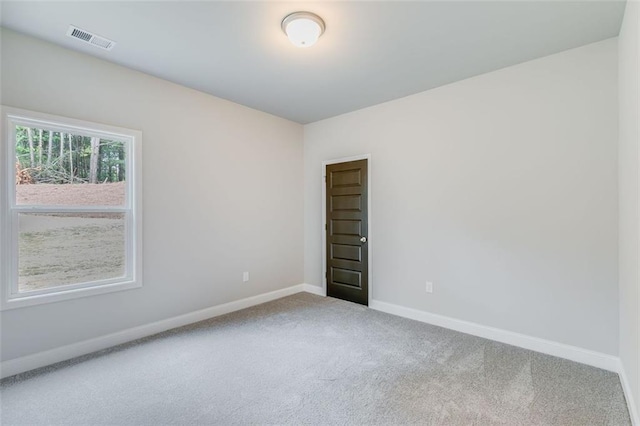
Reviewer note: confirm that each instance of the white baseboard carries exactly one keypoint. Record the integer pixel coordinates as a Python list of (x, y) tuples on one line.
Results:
[(313, 289), (573, 353), (63, 353), (631, 402)]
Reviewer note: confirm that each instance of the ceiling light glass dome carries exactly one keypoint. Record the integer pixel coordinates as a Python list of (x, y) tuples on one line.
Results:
[(303, 28)]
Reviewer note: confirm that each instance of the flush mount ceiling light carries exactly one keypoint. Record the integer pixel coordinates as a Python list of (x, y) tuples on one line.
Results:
[(303, 28)]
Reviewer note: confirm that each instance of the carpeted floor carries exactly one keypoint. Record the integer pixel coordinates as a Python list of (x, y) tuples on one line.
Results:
[(307, 359)]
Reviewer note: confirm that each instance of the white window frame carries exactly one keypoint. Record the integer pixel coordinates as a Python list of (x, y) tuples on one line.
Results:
[(11, 298)]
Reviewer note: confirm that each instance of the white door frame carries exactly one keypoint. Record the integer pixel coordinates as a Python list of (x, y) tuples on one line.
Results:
[(637, 401), (369, 221)]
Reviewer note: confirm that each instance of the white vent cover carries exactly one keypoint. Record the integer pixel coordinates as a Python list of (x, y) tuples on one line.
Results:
[(88, 37)]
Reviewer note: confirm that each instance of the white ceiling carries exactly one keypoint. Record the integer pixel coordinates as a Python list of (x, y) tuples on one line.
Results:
[(371, 52)]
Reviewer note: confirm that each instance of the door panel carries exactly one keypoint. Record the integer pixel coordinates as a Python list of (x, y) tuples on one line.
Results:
[(346, 227), (346, 202), (344, 252), (346, 277), (347, 223), (345, 178)]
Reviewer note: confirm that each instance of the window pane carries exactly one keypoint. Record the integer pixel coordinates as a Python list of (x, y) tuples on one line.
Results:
[(58, 168), (70, 248)]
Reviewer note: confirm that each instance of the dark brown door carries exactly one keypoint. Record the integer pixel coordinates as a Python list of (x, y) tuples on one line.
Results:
[(346, 228)]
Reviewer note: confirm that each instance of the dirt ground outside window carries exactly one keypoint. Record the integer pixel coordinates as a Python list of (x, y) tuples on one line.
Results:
[(61, 249)]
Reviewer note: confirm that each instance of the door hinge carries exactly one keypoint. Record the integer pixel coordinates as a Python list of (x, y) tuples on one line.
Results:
[(325, 226)]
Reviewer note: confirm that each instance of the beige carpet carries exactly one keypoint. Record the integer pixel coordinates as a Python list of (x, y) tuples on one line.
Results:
[(306, 359)]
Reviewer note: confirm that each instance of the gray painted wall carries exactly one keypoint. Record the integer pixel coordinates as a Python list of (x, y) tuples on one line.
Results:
[(501, 189), (213, 216), (629, 93)]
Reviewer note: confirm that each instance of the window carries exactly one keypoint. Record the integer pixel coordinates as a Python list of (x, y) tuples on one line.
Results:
[(71, 222)]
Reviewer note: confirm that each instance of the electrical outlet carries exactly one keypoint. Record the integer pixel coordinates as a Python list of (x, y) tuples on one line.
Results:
[(245, 277), (429, 287)]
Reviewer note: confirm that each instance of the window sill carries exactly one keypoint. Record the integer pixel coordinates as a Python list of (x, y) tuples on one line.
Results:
[(25, 300)]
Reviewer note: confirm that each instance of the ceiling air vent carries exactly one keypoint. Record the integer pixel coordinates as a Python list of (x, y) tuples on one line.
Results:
[(88, 37)]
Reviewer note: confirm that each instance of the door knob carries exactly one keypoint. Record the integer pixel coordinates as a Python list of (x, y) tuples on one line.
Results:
[(363, 239)]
